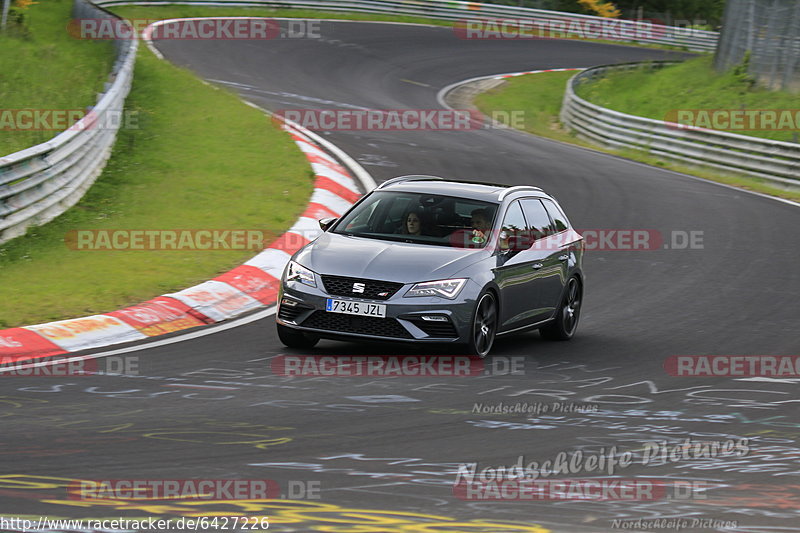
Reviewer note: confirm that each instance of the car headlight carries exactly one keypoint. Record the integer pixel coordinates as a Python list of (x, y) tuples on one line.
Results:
[(297, 272), (446, 288)]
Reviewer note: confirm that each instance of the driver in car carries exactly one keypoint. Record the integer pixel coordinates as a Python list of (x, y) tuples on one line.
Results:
[(481, 227)]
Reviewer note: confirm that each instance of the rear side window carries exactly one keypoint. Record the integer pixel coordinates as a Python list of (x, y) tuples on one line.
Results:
[(515, 230), (558, 216), (514, 222), (538, 219)]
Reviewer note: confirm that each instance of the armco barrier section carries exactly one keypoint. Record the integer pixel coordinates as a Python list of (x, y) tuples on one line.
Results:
[(253, 285), (39, 183), (643, 32), (774, 161)]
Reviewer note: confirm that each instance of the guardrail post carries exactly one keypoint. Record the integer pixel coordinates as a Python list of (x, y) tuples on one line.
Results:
[(6, 5)]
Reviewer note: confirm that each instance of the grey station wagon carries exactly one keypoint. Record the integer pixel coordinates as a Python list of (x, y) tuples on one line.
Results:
[(421, 259)]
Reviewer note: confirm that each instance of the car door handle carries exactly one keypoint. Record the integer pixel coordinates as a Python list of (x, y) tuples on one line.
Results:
[(537, 266), (563, 257)]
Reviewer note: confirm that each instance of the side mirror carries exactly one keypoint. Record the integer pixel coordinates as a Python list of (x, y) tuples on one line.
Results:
[(326, 223), (522, 242), (504, 243), (513, 244)]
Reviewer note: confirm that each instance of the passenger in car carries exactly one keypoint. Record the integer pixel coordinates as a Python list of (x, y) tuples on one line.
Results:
[(412, 224)]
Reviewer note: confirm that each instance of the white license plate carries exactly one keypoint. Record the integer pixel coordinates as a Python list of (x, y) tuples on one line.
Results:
[(355, 308)]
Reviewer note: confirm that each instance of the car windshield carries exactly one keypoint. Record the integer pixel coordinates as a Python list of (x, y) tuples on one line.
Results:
[(421, 218)]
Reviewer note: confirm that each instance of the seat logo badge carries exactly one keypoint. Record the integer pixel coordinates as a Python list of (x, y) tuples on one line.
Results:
[(358, 287)]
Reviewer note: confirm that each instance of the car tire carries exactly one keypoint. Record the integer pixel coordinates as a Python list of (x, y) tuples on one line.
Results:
[(484, 325), (569, 311), (296, 339)]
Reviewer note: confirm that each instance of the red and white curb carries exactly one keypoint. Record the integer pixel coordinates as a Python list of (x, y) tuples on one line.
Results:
[(250, 286)]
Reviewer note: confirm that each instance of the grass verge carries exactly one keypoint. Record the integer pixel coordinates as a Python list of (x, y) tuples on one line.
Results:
[(539, 97), (42, 67), (200, 159), (693, 84)]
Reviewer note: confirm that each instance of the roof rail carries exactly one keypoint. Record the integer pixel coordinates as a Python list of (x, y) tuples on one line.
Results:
[(413, 177), (516, 188)]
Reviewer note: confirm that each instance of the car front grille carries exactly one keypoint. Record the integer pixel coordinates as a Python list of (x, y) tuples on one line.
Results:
[(364, 325), (373, 289)]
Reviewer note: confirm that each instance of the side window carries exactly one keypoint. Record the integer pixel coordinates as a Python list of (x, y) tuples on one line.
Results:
[(360, 222), (538, 219), (515, 228), (558, 216)]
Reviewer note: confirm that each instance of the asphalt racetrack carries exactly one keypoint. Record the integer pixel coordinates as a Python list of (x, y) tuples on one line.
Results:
[(357, 454)]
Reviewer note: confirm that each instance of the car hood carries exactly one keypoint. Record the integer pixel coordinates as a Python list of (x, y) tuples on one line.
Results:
[(358, 257)]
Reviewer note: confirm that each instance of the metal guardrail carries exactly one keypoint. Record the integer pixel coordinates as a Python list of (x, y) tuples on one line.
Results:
[(454, 10), (39, 183), (775, 161)]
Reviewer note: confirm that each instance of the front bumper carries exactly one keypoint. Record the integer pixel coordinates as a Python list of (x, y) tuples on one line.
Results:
[(302, 308)]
